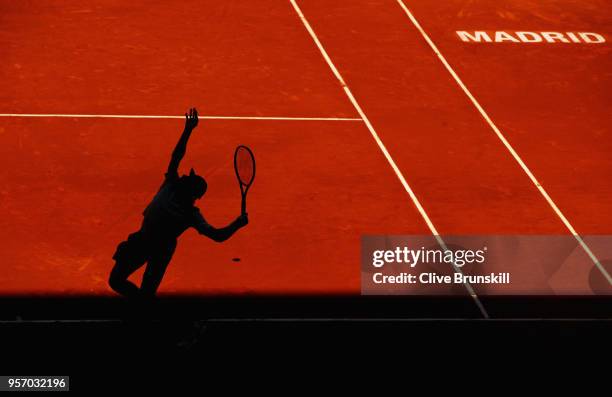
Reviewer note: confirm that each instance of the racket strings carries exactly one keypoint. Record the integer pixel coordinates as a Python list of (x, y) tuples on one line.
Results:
[(245, 166)]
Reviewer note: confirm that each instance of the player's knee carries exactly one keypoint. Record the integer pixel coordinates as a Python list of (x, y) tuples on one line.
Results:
[(114, 283), (116, 280)]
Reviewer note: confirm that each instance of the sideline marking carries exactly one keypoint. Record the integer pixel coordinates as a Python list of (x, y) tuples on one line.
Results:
[(142, 116), (507, 144), (384, 150)]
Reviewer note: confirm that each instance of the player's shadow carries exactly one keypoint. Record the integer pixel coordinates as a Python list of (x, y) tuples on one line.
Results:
[(170, 213)]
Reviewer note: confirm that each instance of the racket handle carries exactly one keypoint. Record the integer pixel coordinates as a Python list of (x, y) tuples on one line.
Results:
[(243, 205)]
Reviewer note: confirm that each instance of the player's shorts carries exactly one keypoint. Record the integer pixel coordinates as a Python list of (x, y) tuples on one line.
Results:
[(138, 249)]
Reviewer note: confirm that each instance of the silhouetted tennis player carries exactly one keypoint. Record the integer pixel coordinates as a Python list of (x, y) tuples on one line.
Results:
[(170, 213)]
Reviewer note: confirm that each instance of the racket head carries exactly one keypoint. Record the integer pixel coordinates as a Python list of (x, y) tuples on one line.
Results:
[(244, 165)]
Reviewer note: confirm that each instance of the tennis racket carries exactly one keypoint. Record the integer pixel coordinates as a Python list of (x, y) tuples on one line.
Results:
[(244, 165)]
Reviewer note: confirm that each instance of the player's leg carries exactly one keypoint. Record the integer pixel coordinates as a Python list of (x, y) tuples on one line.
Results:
[(154, 272), (129, 257), (118, 279), (156, 267)]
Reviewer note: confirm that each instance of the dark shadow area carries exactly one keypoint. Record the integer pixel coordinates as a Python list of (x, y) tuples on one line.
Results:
[(111, 343), (13, 308)]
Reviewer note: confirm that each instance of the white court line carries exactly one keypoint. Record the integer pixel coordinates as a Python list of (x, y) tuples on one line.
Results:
[(144, 116), (384, 150), (518, 159)]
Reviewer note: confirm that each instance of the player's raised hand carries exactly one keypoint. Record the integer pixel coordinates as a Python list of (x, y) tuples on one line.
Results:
[(242, 220), (191, 119)]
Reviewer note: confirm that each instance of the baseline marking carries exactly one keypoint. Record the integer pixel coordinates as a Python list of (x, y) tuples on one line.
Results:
[(507, 144), (142, 116), (384, 150)]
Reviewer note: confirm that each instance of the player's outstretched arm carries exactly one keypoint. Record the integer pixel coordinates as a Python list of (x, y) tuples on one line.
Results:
[(191, 122), (221, 234)]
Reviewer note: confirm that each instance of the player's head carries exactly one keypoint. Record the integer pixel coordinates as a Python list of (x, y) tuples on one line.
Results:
[(193, 186)]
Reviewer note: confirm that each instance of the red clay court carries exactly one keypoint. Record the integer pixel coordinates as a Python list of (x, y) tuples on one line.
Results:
[(366, 117)]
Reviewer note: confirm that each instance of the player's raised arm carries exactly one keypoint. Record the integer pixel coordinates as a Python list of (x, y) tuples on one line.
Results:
[(191, 122)]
